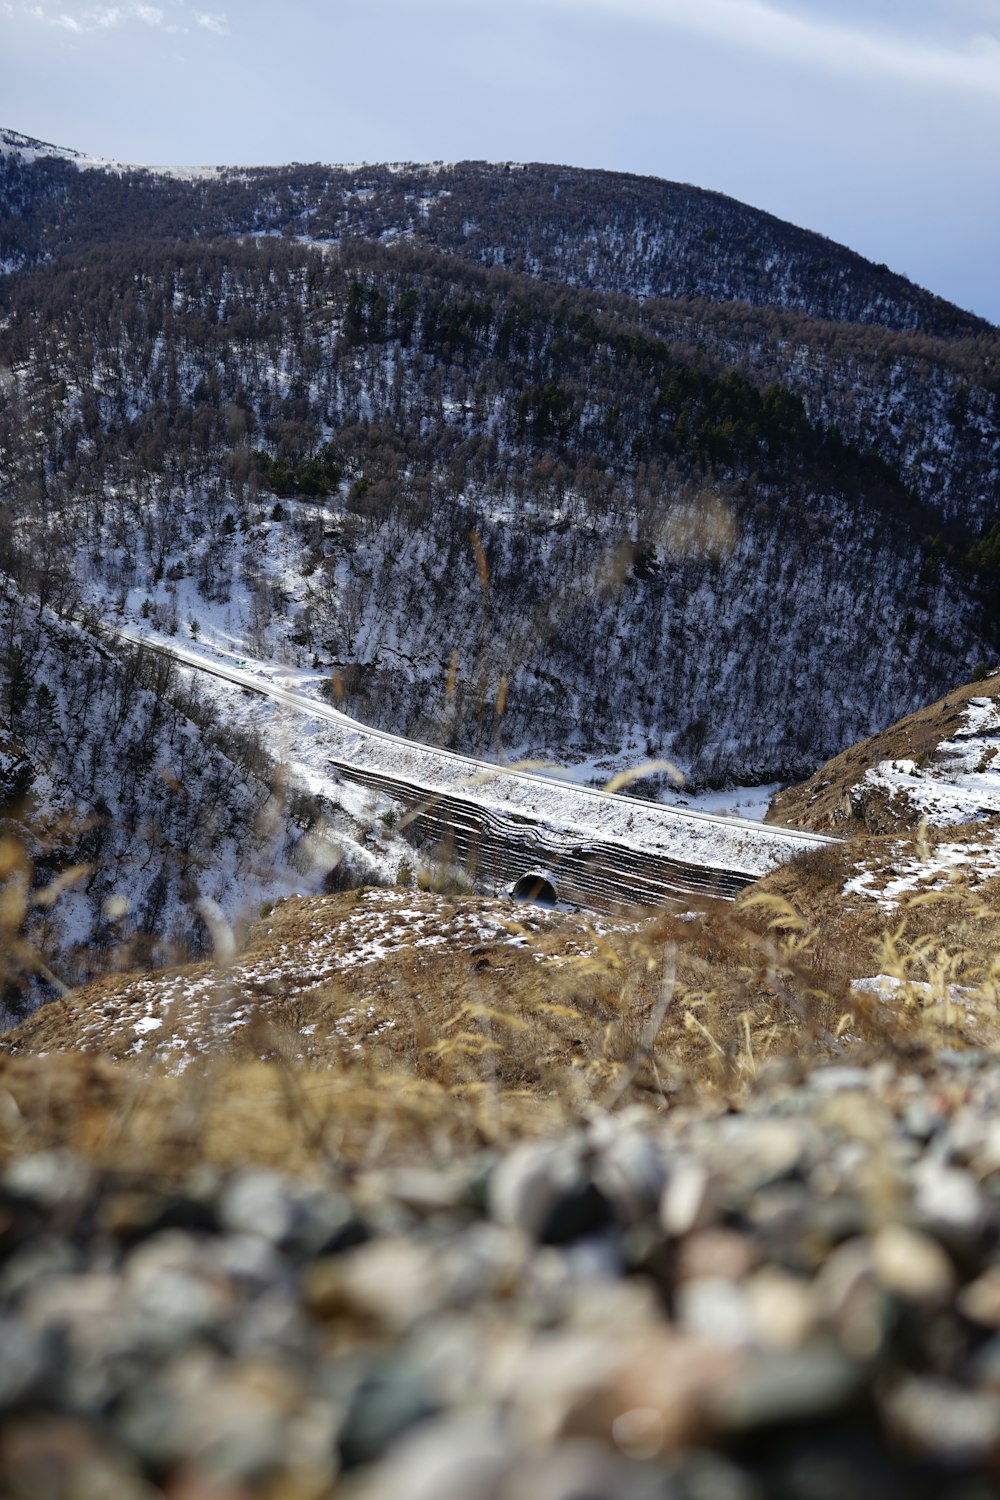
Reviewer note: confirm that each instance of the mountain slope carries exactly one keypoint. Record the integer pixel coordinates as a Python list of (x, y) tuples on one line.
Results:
[(662, 544), (938, 764), (133, 821), (527, 460), (612, 232)]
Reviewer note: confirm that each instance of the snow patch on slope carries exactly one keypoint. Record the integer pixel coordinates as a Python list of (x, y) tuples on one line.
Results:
[(905, 873), (959, 784), (962, 782), (29, 150), (200, 1009)]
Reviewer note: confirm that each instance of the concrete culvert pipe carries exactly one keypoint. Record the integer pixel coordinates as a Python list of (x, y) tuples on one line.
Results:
[(536, 887)]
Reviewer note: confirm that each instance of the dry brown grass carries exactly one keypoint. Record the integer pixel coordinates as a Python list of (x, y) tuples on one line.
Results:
[(428, 1048), (477, 1022), (943, 934), (549, 1003)]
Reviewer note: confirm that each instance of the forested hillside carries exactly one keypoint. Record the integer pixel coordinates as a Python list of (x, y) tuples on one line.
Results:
[(638, 236), (658, 536), (130, 805)]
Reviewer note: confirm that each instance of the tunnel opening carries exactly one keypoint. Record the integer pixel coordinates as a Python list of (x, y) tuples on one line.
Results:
[(536, 888)]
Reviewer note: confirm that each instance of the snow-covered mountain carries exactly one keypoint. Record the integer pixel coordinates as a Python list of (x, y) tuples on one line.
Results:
[(674, 560), (607, 231)]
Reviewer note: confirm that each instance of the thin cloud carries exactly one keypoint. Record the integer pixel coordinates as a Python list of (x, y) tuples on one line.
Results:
[(210, 21), (806, 40), (110, 18)]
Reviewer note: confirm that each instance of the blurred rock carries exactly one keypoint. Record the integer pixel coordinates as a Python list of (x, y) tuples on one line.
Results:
[(947, 1198), (716, 1308), (392, 1397), (630, 1168), (581, 1470), (51, 1179), (450, 1459), (781, 1308), (815, 1381), (912, 1265), (979, 1301), (688, 1201), (299, 1217), (23, 1363), (545, 1189), (692, 1306), (934, 1417)]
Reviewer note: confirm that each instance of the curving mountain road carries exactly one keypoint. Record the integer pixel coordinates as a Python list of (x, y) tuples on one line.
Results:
[(580, 843)]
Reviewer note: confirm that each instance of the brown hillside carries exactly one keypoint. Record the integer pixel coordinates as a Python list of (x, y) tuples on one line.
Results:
[(386, 1024), (464, 994), (833, 797)]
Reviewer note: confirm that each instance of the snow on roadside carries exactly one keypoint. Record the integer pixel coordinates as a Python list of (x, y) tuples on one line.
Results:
[(308, 734), (315, 734), (748, 802)]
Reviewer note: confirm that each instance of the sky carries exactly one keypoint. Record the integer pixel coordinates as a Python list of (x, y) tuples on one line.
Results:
[(876, 122)]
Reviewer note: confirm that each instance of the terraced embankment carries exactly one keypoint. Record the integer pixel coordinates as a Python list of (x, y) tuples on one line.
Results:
[(502, 853), (594, 849)]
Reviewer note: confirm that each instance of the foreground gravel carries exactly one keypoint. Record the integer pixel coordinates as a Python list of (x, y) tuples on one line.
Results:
[(801, 1299)]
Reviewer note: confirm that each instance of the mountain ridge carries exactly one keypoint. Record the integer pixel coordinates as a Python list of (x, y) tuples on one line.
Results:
[(671, 228)]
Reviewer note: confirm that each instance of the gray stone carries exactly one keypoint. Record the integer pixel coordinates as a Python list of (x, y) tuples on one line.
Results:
[(392, 1397), (226, 1421), (302, 1218), (43, 1256), (173, 1307), (48, 1178), (983, 1368), (583, 1469), (422, 1190), (921, 1121), (840, 1080), (257, 1202), (912, 1265), (936, 1417), (453, 1458), (173, 1297), (252, 1265), (630, 1167), (755, 1153), (23, 1361), (688, 1201), (545, 1190), (817, 1380), (709, 1476), (969, 1061), (273, 1326), (947, 1198), (715, 1308)]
